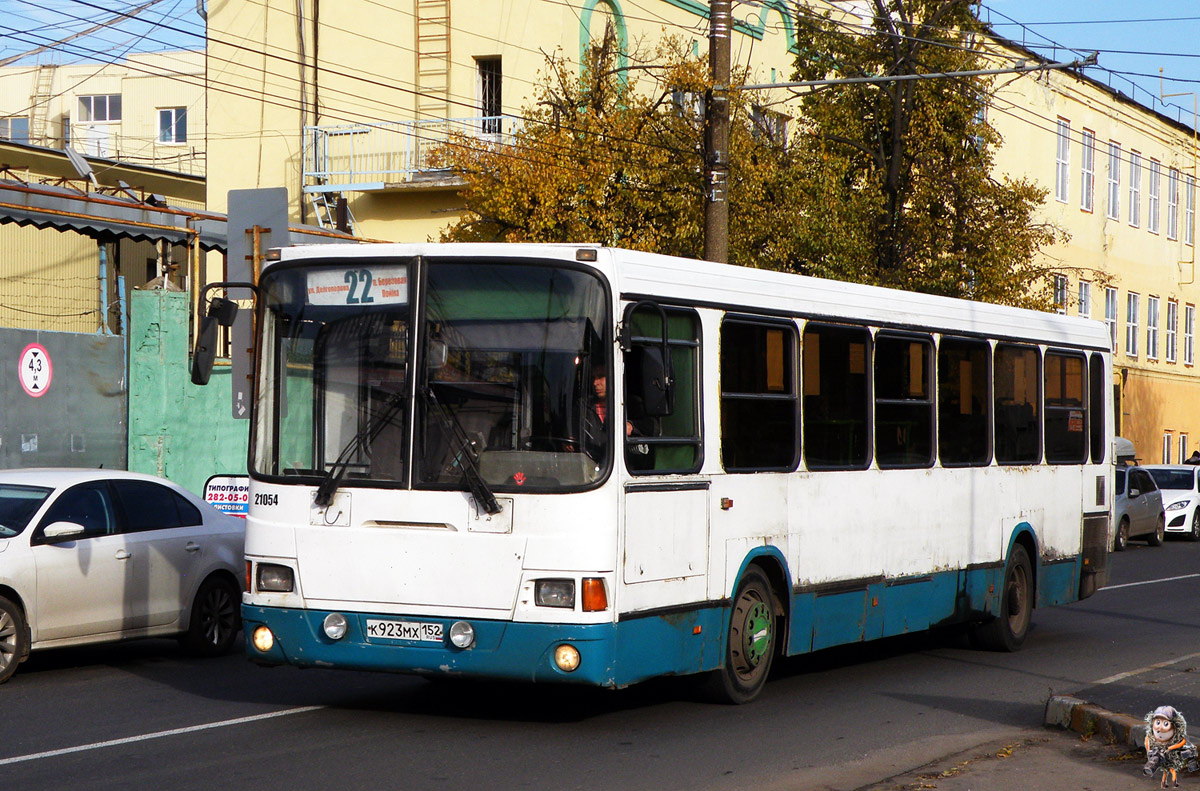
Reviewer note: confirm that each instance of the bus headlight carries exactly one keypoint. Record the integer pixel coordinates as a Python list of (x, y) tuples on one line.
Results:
[(462, 634), (554, 593), (335, 626), (275, 578), (566, 657), (262, 639)]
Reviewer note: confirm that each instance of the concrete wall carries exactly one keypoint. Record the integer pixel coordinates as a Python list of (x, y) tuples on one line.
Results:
[(176, 429)]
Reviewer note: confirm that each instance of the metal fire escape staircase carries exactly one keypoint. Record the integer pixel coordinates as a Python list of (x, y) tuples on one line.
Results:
[(39, 105)]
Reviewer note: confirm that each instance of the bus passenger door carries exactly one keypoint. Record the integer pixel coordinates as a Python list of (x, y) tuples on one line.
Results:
[(666, 544)]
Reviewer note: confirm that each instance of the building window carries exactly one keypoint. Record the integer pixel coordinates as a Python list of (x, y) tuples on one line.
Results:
[(15, 129), (1110, 314), (1173, 204), (1151, 328), (1114, 180), (1060, 294), (1183, 448), (1085, 299), (490, 108), (1131, 324), (1166, 447), (172, 125), (1172, 325), (1062, 161), (106, 107), (769, 124), (1189, 334), (1155, 177), (1189, 211), (1135, 188), (1087, 187)]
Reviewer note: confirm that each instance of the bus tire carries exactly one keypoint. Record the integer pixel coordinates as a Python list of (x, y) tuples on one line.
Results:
[(14, 638), (750, 642), (216, 618), (1007, 631)]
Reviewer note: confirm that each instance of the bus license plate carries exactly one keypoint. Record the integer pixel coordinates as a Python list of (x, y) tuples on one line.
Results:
[(405, 630)]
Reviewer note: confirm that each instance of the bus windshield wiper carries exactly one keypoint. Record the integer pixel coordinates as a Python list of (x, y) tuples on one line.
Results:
[(464, 453), (362, 439)]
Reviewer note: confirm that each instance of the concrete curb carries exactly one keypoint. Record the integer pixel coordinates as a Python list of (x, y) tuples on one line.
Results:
[(1074, 714)]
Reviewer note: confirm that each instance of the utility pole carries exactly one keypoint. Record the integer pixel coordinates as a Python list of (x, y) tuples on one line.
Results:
[(716, 135)]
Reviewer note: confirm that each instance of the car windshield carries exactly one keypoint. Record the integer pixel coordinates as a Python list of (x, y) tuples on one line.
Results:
[(17, 506), (1174, 479)]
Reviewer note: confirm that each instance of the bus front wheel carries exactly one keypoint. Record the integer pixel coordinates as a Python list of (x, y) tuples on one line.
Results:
[(1007, 631), (750, 642)]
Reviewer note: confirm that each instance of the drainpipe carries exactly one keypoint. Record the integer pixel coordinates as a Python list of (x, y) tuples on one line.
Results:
[(200, 10), (103, 250)]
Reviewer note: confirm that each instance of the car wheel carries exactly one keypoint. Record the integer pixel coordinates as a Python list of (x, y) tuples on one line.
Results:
[(1155, 539), (1007, 631), (14, 638), (1195, 534), (216, 618), (1122, 539), (750, 643)]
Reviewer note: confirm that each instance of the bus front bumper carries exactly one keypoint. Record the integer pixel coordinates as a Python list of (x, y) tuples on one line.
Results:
[(501, 649)]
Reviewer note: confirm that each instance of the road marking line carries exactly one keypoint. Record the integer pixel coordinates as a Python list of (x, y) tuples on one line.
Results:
[(159, 735), (1145, 669), (1148, 582)]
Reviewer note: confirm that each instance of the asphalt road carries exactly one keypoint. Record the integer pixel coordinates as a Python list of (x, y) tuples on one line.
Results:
[(143, 714)]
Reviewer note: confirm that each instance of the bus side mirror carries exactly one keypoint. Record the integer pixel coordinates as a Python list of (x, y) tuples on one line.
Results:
[(221, 313)]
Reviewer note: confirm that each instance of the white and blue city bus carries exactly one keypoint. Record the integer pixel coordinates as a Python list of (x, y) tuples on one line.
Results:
[(572, 463)]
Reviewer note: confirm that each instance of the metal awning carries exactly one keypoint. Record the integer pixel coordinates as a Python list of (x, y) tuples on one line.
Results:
[(96, 215)]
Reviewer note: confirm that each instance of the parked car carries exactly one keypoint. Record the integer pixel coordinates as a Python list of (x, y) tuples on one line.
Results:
[(1138, 510), (90, 556), (1180, 487)]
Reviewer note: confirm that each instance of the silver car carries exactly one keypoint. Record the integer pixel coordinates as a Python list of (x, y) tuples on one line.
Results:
[(1180, 487), (90, 556), (1138, 509)]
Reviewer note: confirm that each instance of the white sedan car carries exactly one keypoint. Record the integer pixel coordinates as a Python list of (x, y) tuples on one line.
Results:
[(89, 556), (1180, 485)]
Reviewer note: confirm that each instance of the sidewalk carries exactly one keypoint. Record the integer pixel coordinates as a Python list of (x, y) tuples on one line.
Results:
[(1092, 740)]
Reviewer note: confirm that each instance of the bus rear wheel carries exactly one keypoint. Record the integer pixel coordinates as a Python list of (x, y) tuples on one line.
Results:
[(750, 642), (1007, 631)]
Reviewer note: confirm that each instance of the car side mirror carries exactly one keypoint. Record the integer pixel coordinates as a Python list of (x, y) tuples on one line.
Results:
[(61, 531), (1135, 492)]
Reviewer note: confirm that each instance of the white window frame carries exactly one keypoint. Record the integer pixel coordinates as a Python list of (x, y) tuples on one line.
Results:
[(1135, 188), (1085, 299), (1172, 329), (87, 106), (1131, 323), (1168, 443), (1189, 334), (1173, 203), (1062, 162), (1060, 294), (1087, 189), (1189, 211), (1114, 180), (1155, 178), (174, 118), (1111, 314), (1183, 446), (1151, 328)]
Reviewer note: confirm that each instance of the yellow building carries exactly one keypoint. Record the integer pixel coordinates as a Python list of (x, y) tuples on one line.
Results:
[(1121, 180), (346, 108)]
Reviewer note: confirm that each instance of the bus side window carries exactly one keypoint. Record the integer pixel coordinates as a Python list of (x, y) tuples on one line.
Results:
[(1096, 408), (1016, 381), (759, 404), (903, 401), (1066, 408), (669, 443), (964, 408), (836, 397)]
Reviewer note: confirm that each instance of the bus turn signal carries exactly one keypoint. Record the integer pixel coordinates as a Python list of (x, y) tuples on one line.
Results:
[(594, 597)]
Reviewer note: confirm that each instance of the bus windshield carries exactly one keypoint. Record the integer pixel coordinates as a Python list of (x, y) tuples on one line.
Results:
[(502, 378)]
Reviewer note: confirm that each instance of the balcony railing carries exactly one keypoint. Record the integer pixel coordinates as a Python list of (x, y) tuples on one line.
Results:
[(365, 157)]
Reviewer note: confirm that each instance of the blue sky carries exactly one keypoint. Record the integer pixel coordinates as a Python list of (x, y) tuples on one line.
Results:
[(1134, 40)]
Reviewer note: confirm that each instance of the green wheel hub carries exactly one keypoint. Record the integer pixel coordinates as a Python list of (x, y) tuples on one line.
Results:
[(757, 636)]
